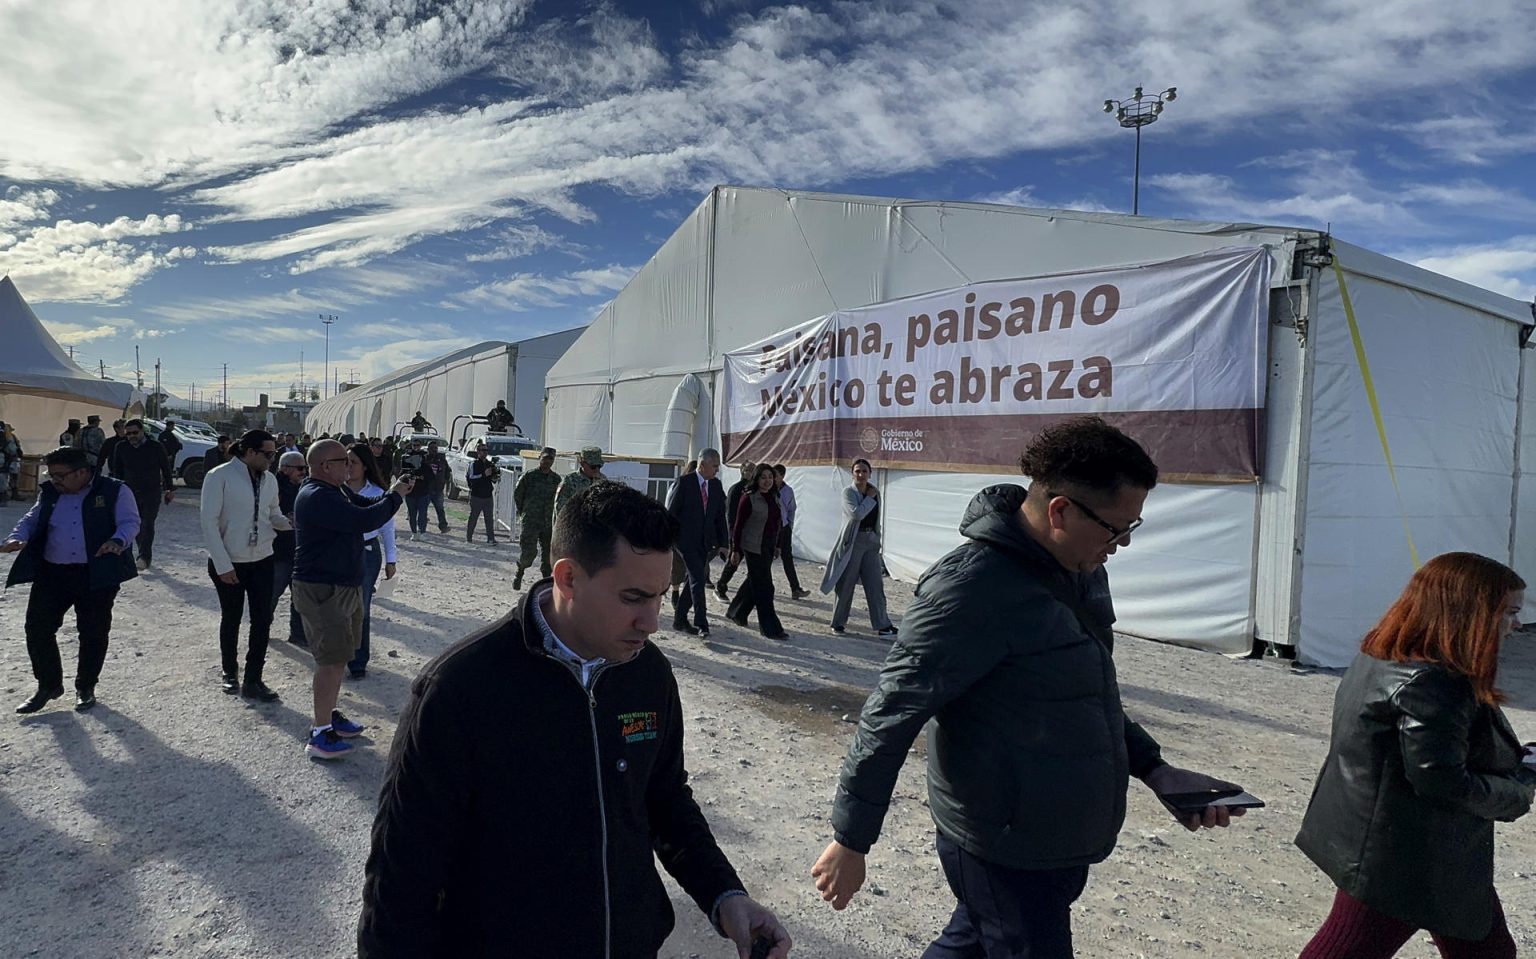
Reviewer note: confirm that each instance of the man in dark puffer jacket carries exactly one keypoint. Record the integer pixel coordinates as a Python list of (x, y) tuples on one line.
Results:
[(1007, 648)]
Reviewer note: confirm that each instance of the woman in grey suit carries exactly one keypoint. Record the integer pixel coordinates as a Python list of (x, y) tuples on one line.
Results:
[(856, 556)]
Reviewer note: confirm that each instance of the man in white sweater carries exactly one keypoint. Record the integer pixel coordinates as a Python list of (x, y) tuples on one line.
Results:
[(240, 516)]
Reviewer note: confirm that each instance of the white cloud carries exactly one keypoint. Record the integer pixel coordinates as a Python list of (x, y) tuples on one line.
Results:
[(89, 262), (525, 291), (1476, 140), (1025, 196), (1508, 267), (1221, 198), (332, 293), (25, 206), (287, 105), (74, 334)]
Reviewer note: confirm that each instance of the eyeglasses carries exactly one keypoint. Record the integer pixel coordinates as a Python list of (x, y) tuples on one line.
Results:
[(1115, 533), (55, 477), (133, 433)]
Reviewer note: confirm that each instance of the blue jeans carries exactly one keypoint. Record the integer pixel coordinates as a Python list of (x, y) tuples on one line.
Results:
[(416, 512), (442, 518), (373, 562)]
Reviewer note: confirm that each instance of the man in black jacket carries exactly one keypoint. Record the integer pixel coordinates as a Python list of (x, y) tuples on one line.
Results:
[(1007, 647), (435, 468), (541, 840), (732, 502), (142, 464)]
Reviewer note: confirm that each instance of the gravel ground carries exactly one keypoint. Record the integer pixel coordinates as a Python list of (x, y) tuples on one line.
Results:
[(175, 821)]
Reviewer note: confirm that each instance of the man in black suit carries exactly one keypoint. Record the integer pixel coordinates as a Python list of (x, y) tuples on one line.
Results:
[(698, 504)]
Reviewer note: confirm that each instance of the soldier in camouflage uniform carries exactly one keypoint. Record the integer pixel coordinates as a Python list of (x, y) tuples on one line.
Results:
[(589, 470), (535, 499)]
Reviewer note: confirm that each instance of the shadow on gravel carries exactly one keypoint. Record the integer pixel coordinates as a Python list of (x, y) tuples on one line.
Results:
[(1211, 709), (162, 806)]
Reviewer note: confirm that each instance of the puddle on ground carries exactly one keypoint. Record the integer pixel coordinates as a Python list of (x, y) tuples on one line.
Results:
[(819, 710)]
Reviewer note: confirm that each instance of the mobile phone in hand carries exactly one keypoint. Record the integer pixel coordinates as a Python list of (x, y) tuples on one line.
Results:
[(1199, 801)]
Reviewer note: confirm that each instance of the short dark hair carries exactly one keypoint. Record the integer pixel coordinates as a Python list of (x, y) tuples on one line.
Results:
[(865, 462), (589, 525), (250, 440), (134, 422), (69, 456), (779, 469), (1087, 453)]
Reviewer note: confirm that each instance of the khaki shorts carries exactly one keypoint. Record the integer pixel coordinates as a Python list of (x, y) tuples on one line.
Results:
[(333, 620)]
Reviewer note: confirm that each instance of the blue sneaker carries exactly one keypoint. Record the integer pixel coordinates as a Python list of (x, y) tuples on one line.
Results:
[(326, 744), (344, 727)]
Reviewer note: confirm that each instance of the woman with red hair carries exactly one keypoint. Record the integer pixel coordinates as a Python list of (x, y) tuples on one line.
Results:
[(1421, 764)]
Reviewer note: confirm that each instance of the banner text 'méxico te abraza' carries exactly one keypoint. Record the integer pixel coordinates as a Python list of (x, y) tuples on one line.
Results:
[(1171, 352)]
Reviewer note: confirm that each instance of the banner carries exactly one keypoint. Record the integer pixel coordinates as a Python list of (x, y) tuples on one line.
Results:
[(1171, 352)]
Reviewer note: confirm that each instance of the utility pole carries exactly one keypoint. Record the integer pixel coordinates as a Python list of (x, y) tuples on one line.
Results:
[(226, 390), (71, 350), (157, 387), (102, 367), (137, 371)]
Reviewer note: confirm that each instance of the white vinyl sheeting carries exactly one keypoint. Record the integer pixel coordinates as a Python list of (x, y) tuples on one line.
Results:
[(1446, 378), (750, 262), (467, 381), (1525, 512)]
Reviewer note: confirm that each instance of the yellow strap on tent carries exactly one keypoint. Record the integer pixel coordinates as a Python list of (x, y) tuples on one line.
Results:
[(1370, 394)]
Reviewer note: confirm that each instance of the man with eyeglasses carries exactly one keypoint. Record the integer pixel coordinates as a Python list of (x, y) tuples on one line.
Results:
[(75, 545), (1007, 648), (143, 465), (327, 585), (240, 516)]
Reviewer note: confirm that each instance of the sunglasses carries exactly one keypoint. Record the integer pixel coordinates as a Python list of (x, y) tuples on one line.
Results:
[(1115, 533)]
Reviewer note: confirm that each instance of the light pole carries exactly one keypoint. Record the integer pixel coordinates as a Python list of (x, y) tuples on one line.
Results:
[(327, 319), (1139, 111)]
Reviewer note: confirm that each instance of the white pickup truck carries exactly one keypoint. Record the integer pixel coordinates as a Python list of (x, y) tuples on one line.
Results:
[(506, 452)]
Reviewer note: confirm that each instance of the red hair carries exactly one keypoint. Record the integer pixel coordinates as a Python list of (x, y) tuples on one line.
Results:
[(1450, 614)]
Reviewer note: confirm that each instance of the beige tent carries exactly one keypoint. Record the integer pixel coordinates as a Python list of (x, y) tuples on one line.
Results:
[(41, 388)]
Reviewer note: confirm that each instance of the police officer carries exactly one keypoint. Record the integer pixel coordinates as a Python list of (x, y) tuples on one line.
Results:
[(535, 499)]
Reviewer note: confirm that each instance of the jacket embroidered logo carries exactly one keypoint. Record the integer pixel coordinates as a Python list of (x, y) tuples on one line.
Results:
[(637, 727)]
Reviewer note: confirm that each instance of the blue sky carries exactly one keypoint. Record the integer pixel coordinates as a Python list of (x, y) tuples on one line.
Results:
[(203, 178)]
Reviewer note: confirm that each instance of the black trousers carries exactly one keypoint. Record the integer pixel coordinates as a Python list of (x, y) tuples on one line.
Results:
[(148, 502), (787, 554), (757, 593), (56, 590), (692, 598), (1006, 913), (254, 590)]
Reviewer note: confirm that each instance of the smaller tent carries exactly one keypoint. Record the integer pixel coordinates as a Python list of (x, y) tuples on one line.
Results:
[(41, 388)]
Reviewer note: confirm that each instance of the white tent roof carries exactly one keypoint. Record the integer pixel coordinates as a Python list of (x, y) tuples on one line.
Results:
[(31, 362)]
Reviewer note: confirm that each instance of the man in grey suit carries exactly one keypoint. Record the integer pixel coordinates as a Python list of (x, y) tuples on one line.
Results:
[(698, 504)]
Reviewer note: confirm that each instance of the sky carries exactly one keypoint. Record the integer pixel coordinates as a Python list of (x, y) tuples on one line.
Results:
[(204, 179)]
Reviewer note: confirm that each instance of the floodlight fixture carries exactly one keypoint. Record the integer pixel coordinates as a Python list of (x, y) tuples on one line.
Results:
[(1142, 109)]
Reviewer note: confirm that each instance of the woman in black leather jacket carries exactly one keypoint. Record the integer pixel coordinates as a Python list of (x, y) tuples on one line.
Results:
[(1421, 764)]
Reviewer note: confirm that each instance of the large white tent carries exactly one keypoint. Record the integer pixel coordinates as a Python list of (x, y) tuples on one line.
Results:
[(466, 381), (1394, 426), (41, 388)]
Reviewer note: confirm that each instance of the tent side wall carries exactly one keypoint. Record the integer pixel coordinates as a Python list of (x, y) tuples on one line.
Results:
[(1523, 540), (778, 258), (1446, 378)]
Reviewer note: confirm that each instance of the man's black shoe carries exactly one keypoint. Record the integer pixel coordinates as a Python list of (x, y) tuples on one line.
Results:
[(84, 699), (839, 630), (517, 581), (684, 628), (230, 683), (258, 691), (702, 632), (802, 593), (39, 700), (720, 592)]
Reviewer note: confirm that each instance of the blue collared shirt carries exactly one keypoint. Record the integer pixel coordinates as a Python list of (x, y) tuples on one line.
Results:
[(587, 668), (66, 532)]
